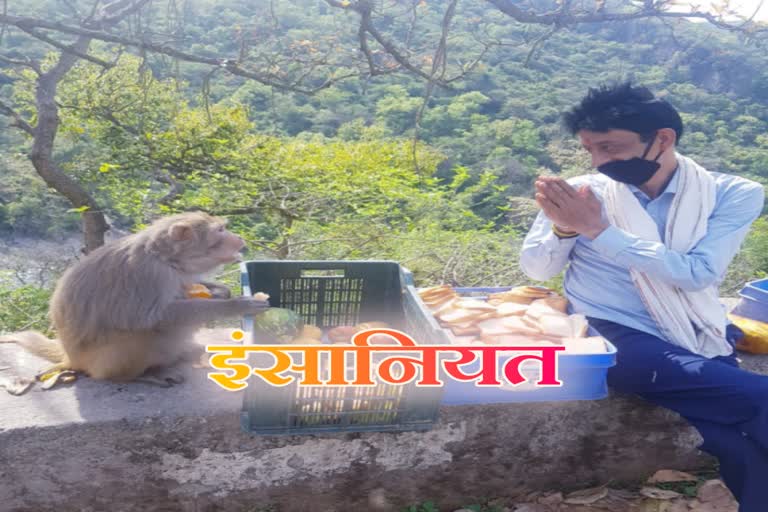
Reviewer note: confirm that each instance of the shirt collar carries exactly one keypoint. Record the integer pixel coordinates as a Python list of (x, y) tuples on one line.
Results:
[(671, 187)]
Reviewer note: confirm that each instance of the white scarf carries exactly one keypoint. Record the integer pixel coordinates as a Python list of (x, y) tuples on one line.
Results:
[(676, 311)]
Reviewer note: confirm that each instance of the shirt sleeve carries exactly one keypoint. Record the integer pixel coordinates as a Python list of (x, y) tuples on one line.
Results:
[(544, 254), (706, 263)]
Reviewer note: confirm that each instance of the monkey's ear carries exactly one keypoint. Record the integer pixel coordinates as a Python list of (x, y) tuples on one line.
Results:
[(180, 231)]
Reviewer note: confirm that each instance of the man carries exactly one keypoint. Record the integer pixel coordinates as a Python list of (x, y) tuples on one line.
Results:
[(647, 240)]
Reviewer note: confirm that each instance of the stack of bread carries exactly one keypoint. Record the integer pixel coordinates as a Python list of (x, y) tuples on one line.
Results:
[(525, 315)]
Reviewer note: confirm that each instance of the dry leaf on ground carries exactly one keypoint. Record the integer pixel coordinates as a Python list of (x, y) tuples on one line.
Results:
[(533, 507), (673, 506), (671, 475), (586, 496), (659, 494), (715, 507), (551, 499), (714, 496)]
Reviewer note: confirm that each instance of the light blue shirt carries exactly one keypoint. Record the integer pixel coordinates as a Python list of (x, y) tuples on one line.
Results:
[(597, 281)]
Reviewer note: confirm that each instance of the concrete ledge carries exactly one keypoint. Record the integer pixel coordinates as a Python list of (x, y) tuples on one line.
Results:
[(97, 446)]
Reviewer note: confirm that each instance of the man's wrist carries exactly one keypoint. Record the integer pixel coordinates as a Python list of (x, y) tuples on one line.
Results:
[(563, 233), (594, 232)]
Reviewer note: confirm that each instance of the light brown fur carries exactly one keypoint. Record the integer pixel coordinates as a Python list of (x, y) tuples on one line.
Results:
[(121, 310)]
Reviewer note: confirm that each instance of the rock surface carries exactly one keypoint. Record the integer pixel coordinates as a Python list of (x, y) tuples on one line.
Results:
[(92, 446)]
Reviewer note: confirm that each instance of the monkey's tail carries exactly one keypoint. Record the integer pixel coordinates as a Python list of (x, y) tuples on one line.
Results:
[(38, 344)]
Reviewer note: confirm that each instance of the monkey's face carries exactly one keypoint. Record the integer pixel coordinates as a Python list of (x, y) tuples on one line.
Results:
[(224, 246), (204, 244)]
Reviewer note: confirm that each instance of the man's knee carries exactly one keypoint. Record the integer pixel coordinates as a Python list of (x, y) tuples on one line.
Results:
[(720, 440)]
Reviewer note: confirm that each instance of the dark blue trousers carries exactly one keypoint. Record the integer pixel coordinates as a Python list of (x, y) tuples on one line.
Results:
[(728, 405)]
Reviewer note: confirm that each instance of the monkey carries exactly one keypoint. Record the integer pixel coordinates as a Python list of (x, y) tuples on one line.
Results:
[(121, 313)]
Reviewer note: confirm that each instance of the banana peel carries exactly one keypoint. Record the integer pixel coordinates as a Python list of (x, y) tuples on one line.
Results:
[(52, 377), (755, 340)]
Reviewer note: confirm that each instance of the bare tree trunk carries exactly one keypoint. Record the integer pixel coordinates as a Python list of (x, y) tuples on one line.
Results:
[(284, 248), (41, 155)]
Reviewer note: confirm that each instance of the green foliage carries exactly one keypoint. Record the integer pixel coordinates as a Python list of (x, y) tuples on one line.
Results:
[(24, 307), (27, 207), (751, 262), (427, 506), (336, 174)]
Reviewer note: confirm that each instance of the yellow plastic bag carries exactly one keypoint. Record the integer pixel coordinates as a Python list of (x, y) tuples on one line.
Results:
[(755, 338)]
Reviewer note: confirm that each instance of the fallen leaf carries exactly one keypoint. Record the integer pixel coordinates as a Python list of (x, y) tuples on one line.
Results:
[(532, 507), (673, 506), (715, 497), (614, 502), (586, 496), (716, 507), (551, 499), (659, 494), (670, 475), (530, 497), (622, 494), (15, 385)]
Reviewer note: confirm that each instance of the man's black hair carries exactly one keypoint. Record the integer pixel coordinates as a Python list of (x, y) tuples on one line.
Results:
[(623, 106)]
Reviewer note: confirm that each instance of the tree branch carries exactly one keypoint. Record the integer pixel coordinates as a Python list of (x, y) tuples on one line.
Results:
[(230, 65), (108, 18), (27, 63), (240, 211), (364, 9), (438, 63), (72, 7), (538, 42), (66, 48), (5, 26), (18, 121), (563, 18), (363, 38), (176, 188)]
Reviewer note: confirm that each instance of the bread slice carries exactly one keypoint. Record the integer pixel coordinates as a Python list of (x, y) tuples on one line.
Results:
[(426, 293), (556, 302), (436, 302), (533, 291), (511, 309), (573, 326), (532, 323), (516, 324), (444, 307), (459, 315), (580, 325), (471, 330), (475, 304), (556, 325), (539, 308), (590, 345)]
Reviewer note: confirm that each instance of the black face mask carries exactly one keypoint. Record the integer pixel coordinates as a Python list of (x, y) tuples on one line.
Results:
[(634, 171)]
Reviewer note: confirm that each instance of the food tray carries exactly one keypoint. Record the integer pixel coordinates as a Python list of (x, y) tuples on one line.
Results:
[(583, 375)]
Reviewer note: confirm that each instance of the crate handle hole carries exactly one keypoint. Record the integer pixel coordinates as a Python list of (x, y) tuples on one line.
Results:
[(323, 273)]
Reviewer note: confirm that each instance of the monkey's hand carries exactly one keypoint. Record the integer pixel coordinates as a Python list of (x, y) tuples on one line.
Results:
[(199, 312), (218, 290), (250, 306)]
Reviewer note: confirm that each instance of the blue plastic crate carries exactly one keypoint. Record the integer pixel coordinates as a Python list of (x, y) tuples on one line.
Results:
[(750, 308), (757, 290), (583, 375), (754, 301)]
